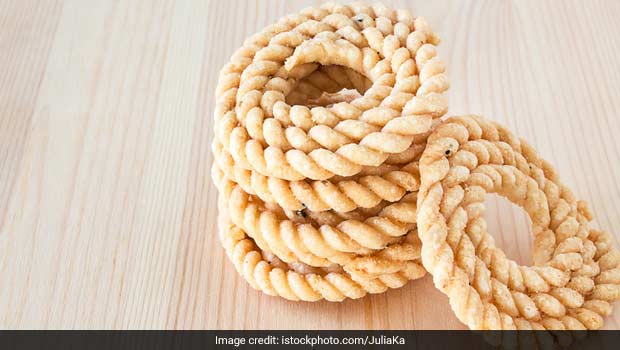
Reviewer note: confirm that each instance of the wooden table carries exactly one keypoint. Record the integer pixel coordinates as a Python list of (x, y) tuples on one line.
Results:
[(107, 210)]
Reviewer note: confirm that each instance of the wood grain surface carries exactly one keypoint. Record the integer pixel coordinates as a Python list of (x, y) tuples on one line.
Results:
[(107, 210)]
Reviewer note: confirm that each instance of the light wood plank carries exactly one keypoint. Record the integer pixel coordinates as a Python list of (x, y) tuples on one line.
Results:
[(107, 211)]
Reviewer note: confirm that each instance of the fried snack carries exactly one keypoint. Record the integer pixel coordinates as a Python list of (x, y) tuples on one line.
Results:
[(575, 273), (264, 271), (319, 184), (287, 153), (371, 254)]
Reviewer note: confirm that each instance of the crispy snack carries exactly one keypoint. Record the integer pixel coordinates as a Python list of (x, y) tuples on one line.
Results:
[(266, 272), (575, 273), (318, 185), (284, 153)]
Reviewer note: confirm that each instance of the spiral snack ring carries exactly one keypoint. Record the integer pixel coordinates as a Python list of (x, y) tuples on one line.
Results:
[(317, 183), (575, 273), (289, 153), (297, 281)]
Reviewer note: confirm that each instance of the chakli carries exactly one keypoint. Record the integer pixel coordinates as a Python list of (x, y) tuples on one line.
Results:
[(327, 124), (575, 273), (318, 183)]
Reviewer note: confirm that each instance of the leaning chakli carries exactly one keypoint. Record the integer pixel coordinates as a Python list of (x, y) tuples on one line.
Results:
[(338, 177)]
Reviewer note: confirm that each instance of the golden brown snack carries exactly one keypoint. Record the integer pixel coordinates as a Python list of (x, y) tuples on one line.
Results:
[(575, 273), (388, 56), (297, 281), (320, 121)]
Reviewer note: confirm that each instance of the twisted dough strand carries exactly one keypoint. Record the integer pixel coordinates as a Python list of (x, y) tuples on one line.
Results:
[(292, 241), (300, 282), (345, 195), (576, 273), (317, 183), (318, 143)]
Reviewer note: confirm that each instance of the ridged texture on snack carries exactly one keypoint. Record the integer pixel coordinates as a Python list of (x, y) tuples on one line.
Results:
[(267, 273), (262, 137), (318, 185), (575, 273)]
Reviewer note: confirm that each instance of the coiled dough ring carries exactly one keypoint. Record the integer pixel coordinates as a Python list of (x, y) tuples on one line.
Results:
[(575, 273), (264, 271), (318, 183), (288, 153)]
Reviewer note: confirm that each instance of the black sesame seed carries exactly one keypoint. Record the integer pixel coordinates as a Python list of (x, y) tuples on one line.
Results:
[(447, 152)]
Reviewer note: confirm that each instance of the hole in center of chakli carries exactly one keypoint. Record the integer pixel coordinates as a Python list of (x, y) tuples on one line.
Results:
[(328, 85), (511, 228)]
